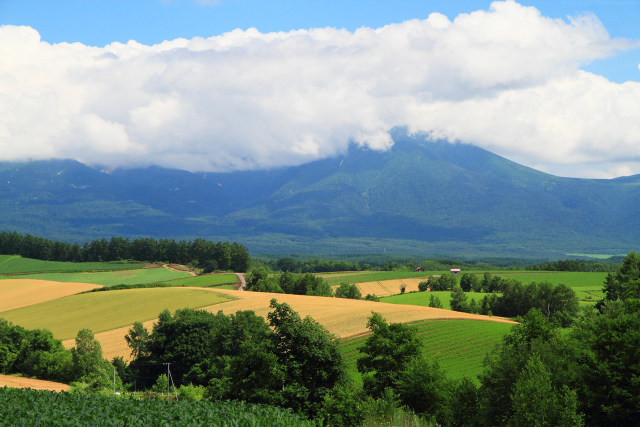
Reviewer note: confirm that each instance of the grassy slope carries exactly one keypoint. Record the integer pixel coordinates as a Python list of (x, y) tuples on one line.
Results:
[(206, 280), (109, 278), (102, 311), (569, 278), (15, 264), (422, 298), (460, 346), (588, 286)]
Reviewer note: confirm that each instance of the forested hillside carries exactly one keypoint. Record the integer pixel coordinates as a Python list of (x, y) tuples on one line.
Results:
[(419, 197)]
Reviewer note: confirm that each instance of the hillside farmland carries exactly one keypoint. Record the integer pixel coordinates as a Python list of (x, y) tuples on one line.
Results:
[(21, 293), (342, 317)]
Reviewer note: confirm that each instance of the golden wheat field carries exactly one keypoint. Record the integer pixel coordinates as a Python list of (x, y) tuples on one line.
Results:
[(17, 293), (104, 311), (383, 288), (342, 317), (20, 382)]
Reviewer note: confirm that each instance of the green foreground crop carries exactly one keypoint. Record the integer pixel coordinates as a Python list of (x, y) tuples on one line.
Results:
[(31, 407)]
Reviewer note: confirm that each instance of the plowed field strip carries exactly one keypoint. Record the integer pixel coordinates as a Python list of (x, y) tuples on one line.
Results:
[(17, 293)]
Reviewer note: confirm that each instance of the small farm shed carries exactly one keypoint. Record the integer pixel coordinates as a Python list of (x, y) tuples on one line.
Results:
[(455, 271), (419, 269)]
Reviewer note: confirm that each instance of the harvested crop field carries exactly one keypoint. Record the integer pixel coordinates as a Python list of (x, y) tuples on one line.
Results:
[(383, 288), (112, 341), (103, 311), (17, 293), (20, 382), (372, 276), (342, 317)]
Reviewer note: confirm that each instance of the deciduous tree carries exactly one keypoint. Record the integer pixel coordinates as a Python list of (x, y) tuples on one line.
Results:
[(387, 352)]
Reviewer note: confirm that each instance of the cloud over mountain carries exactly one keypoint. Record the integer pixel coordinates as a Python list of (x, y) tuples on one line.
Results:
[(506, 79)]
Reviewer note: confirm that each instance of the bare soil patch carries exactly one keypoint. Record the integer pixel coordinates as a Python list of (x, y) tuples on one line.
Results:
[(180, 267), (17, 293), (19, 382)]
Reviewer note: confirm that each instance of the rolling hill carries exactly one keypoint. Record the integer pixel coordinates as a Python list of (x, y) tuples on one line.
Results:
[(420, 197)]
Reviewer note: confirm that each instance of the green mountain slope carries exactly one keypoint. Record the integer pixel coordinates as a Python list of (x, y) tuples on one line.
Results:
[(419, 197)]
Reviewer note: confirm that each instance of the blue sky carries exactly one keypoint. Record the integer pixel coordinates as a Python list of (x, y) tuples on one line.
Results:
[(554, 85)]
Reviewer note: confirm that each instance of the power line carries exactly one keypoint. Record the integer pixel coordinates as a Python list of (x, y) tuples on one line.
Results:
[(170, 381)]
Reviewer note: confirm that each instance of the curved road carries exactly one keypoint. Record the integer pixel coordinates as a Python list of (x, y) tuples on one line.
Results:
[(243, 282)]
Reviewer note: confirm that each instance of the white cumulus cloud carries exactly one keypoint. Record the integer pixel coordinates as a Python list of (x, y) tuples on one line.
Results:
[(507, 79)]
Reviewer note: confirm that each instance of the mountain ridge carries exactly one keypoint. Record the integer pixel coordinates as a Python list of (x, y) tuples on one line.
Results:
[(421, 197)]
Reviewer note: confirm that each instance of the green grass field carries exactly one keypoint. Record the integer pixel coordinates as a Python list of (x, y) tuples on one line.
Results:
[(109, 278), (422, 298), (569, 278), (459, 346), (102, 311), (588, 286), (206, 280), (15, 264)]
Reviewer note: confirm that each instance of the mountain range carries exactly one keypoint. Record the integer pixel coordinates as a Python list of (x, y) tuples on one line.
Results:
[(421, 197)]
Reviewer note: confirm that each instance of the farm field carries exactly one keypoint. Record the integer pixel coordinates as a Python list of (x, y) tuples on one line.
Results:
[(588, 286), (75, 409), (21, 382), (573, 279), (226, 287), (103, 311), (15, 264), (110, 278), (388, 287), (342, 317), (21, 293), (205, 280), (459, 346), (335, 279), (422, 298)]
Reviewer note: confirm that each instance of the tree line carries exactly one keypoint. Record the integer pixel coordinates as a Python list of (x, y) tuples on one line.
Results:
[(200, 253), (259, 280), (283, 361), (577, 265), (317, 265), (36, 353), (506, 297)]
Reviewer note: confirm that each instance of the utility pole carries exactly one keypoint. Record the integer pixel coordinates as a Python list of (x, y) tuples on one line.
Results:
[(114, 380), (168, 379)]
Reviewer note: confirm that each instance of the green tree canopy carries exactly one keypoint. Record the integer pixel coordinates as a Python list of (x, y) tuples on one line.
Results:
[(459, 300), (346, 290), (310, 356), (610, 363), (387, 352), (625, 282)]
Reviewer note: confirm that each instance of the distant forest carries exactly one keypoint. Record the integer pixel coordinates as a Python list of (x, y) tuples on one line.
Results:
[(200, 253), (315, 265), (211, 256)]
